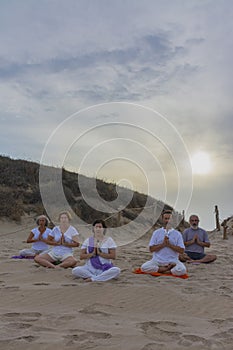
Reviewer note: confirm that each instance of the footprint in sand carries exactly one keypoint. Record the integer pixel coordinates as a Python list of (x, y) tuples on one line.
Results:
[(161, 330), (226, 289), (222, 322), (226, 337), (67, 318), (18, 325), (155, 346), (11, 288), (24, 316), (28, 338), (92, 310), (96, 335), (12, 332), (190, 340), (83, 337)]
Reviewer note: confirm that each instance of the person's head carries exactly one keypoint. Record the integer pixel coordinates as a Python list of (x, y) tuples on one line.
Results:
[(42, 220), (64, 217), (194, 221), (99, 227), (167, 218)]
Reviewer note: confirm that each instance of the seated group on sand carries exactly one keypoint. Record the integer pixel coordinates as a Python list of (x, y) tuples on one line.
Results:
[(170, 249)]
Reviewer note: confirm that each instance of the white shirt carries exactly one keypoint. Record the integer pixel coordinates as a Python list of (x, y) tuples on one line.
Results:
[(106, 244), (40, 245), (68, 237), (166, 254)]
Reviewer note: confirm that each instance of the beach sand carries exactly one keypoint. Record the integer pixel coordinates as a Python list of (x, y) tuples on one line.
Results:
[(48, 309)]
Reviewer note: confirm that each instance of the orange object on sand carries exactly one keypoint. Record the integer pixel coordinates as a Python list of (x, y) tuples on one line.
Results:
[(139, 271)]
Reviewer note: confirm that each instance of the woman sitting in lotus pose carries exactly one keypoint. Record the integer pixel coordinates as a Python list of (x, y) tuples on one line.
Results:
[(98, 251), (63, 239), (38, 237)]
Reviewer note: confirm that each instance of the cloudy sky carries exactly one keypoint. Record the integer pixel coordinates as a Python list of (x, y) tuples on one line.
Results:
[(128, 91)]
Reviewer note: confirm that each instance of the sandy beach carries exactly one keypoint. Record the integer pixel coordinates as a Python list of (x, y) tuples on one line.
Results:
[(44, 309)]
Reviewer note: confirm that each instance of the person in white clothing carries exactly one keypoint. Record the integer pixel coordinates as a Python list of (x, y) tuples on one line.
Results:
[(166, 244), (98, 251), (63, 239), (38, 237)]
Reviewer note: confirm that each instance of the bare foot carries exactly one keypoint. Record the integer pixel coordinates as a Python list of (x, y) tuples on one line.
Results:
[(167, 268), (58, 267), (171, 265), (88, 280)]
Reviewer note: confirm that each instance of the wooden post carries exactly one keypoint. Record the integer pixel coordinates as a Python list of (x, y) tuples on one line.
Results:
[(183, 216), (217, 218), (118, 218), (119, 215), (225, 230)]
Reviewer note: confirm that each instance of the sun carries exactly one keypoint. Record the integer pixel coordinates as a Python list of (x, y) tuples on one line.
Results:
[(201, 163)]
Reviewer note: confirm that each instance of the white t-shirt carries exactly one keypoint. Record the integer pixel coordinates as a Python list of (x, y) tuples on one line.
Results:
[(68, 236), (40, 245), (107, 243), (166, 254)]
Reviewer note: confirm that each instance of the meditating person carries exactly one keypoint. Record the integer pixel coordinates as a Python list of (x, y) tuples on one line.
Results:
[(166, 244), (63, 239), (38, 237), (196, 240), (98, 251)]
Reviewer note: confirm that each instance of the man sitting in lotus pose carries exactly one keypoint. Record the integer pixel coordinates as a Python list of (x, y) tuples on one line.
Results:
[(195, 241), (166, 244)]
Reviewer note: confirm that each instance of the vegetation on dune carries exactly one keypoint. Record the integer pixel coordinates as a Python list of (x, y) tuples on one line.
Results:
[(20, 193)]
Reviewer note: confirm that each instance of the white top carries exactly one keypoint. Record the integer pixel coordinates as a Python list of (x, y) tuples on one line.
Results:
[(39, 245), (166, 254), (68, 237), (106, 244)]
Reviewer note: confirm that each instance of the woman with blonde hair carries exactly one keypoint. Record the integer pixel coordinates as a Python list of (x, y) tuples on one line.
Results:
[(63, 239)]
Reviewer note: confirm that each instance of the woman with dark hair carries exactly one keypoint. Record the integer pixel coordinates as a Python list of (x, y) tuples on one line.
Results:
[(38, 237), (98, 251)]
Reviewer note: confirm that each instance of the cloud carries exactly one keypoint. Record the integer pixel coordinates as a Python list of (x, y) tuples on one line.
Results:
[(57, 58)]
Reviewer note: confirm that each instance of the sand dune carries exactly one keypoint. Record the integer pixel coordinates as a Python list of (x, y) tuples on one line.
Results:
[(42, 308)]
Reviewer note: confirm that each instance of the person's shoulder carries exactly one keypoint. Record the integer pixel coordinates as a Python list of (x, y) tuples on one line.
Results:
[(177, 232), (156, 233), (73, 229), (202, 230), (110, 240), (86, 242), (55, 228), (158, 230)]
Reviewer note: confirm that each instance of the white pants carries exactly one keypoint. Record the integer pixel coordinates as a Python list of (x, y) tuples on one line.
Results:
[(96, 274), (31, 252), (153, 266)]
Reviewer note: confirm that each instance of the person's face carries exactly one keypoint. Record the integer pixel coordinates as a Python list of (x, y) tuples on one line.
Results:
[(42, 222), (64, 219), (98, 231), (167, 220), (194, 221)]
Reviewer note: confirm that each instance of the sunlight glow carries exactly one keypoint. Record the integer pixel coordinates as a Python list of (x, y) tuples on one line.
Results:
[(201, 163)]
